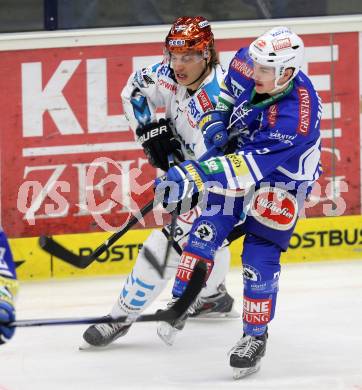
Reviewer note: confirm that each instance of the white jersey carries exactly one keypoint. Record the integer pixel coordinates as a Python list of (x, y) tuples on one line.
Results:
[(147, 91), (155, 87)]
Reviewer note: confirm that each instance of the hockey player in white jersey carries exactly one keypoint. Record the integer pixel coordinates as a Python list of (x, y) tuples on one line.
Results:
[(186, 85)]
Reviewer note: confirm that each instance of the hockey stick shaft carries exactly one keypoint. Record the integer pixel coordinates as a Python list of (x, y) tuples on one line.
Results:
[(160, 269), (177, 310), (172, 232), (54, 248)]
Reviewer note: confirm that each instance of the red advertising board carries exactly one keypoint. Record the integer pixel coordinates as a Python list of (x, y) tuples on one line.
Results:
[(61, 110), (337, 83)]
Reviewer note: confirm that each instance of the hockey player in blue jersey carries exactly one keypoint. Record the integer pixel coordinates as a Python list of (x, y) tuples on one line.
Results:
[(8, 289), (265, 180)]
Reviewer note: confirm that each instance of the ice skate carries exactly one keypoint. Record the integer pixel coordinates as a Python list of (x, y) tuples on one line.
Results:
[(219, 305), (168, 331), (245, 356), (101, 335), (215, 306)]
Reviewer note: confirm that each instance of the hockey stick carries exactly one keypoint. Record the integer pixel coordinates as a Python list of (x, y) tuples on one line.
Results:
[(151, 257), (51, 246), (54, 248), (173, 313), (148, 254)]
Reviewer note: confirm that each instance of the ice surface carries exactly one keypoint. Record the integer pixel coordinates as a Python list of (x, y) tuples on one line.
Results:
[(315, 341)]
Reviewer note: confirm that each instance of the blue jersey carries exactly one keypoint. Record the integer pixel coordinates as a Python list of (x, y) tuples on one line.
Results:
[(237, 80), (7, 266), (279, 137), (277, 158), (8, 282)]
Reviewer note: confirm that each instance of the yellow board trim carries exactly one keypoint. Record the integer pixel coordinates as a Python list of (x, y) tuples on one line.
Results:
[(315, 239)]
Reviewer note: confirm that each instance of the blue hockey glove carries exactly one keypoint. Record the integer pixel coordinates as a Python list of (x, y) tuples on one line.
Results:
[(180, 182), (213, 125), (7, 314)]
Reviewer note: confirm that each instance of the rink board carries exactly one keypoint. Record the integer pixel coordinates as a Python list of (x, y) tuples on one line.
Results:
[(315, 239), (61, 114)]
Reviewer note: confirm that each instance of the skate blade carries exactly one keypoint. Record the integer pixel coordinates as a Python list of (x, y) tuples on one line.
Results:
[(85, 346), (89, 347), (215, 315), (166, 333), (239, 373)]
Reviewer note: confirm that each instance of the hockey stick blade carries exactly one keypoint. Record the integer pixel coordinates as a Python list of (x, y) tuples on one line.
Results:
[(54, 248), (174, 312), (57, 250)]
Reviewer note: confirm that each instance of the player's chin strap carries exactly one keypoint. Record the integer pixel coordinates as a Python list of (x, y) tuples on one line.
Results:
[(279, 88)]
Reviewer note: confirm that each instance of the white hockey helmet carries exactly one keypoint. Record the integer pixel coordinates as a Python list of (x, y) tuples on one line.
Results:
[(279, 48)]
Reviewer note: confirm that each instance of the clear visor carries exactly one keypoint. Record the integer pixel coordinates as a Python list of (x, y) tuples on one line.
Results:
[(189, 57), (262, 72), (256, 71)]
